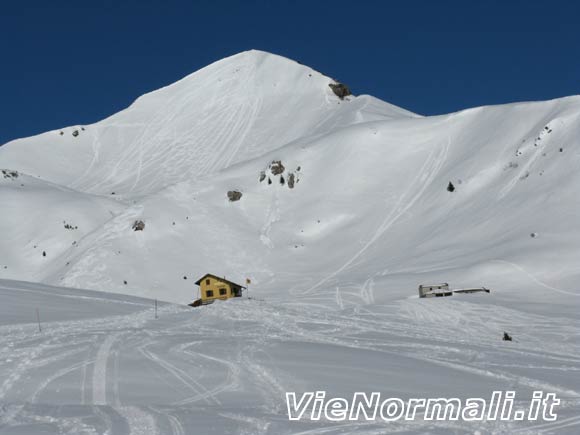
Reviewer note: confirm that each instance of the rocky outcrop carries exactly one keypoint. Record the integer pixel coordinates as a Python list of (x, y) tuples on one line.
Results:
[(234, 195), (68, 226), (276, 171), (340, 90), (11, 175), (276, 167)]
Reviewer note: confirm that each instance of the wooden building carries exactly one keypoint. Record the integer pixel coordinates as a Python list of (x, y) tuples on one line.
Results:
[(213, 287)]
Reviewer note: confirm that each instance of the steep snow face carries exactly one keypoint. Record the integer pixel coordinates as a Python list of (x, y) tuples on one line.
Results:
[(228, 112), (368, 217)]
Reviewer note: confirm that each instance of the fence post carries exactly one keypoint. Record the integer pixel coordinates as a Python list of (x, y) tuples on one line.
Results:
[(38, 320)]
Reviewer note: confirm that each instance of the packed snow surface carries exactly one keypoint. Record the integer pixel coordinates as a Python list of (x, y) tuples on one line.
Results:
[(335, 246)]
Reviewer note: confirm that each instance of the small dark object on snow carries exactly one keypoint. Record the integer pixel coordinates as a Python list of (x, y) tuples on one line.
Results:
[(506, 337), (44, 253), (276, 167), (125, 282), (561, 150), (75, 133), (282, 181), (185, 277), (112, 193), (82, 128), (234, 195), (533, 235), (138, 226), (61, 133), (291, 181), (340, 90), (269, 180), (450, 187), (262, 176)]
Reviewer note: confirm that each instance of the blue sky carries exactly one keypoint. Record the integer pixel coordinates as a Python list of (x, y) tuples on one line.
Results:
[(76, 62)]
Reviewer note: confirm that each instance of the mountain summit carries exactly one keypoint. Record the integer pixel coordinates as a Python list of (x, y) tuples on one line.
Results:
[(233, 110)]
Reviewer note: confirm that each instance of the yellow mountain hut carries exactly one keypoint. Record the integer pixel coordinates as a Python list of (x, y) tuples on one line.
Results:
[(213, 287)]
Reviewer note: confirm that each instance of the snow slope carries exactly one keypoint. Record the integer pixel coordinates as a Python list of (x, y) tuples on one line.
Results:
[(334, 261), (104, 365)]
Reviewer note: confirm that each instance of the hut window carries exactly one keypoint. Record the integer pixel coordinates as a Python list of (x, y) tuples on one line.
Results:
[(209, 293), (207, 282), (223, 291)]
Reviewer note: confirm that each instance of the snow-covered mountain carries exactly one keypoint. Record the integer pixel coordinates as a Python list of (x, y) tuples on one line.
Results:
[(347, 205), (369, 213)]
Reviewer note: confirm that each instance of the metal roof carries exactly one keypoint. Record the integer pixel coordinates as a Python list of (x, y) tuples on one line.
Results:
[(218, 278)]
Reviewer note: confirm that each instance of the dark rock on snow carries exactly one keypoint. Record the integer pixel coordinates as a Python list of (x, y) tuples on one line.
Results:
[(138, 226), (340, 90), (276, 167), (234, 195), (9, 174)]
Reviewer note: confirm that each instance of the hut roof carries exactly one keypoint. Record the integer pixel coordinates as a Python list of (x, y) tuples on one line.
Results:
[(198, 282)]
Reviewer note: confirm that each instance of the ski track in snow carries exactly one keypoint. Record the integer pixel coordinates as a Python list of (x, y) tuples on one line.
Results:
[(100, 370), (194, 371), (536, 280), (422, 181)]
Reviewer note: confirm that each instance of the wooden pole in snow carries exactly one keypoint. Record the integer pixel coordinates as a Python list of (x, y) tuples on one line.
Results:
[(38, 320)]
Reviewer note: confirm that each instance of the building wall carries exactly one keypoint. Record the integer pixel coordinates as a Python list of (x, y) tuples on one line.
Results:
[(212, 288), (425, 290)]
